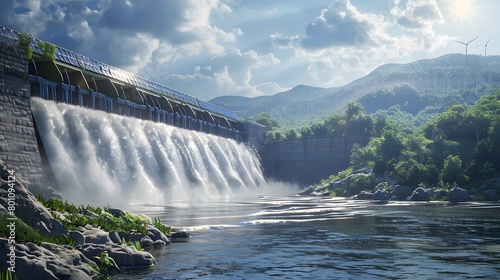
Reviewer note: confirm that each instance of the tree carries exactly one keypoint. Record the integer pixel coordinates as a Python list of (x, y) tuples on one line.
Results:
[(391, 145), (335, 124), (291, 134), (353, 109), (267, 121), (318, 129), (452, 171), (270, 137), (306, 132), (477, 122), (360, 125)]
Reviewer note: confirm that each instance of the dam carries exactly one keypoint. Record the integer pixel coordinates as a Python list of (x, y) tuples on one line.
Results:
[(53, 110)]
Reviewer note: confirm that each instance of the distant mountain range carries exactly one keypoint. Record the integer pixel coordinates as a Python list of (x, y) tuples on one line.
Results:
[(412, 87)]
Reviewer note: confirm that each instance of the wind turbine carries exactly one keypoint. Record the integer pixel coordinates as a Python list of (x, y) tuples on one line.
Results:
[(466, 45), (485, 46)]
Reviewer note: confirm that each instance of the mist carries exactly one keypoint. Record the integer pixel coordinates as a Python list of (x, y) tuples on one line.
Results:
[(107, 159)]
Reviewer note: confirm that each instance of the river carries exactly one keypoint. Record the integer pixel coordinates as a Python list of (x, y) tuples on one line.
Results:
[(294, 237)]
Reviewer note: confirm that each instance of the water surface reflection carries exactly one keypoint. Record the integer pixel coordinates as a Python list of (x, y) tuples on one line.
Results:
[(312, 238)]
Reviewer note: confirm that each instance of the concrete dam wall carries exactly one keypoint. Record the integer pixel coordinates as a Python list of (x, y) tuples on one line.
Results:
[(18, 144), (307, 160)]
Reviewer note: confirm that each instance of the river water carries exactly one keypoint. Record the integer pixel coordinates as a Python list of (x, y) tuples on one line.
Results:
[(294, 237)]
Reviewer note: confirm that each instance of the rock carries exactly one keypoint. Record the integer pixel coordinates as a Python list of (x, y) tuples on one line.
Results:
[(91, 214), (124, 255), (146, 242), (363, 196), (155, 234), (116, 212), (381, 195), (401, 192), (115, 238), (37, 262), (491, 195), (458, 195), (97, 236), (77, 236), (159, 242), (439, 194), (133, 236), (315, 193), (70, 256), (29, 209), (180, 234), (307, 191), (420, 194)]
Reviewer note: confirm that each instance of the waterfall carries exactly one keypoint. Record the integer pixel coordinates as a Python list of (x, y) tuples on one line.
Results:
[(103, 159)]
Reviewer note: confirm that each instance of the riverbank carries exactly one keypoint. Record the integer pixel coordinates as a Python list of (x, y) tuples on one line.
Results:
[(363, 185), (51, 239)]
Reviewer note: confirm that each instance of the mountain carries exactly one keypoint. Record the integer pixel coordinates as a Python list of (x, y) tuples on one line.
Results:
[(412, 87)]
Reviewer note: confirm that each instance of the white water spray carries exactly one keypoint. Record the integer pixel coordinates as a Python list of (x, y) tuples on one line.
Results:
[(102, 158)]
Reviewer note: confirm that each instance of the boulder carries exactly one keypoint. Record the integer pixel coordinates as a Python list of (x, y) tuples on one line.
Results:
[(146, 242), (77, 236), (115, 237), (363, 196), (125, 256), (133, 236), (155, 234), (97, 236), (381, 195), (420, 194), (439, 194), (28, 208), (401, 192), (70, 256), (307, 191), (159, 242), (178, 235), (37, 262), (458, 195), (491, 195), (116, 212)]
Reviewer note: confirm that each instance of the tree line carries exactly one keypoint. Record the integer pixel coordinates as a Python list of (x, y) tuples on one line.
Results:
[(459, 146)]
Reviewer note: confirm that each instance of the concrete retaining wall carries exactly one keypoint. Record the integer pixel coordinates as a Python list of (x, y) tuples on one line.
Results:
[(307, 160), (18, 145)]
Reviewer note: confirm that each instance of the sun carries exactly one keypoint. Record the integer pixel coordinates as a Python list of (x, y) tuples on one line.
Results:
[(462, 11)]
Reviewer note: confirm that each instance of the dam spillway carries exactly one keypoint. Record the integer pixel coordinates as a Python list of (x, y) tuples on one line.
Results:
[(97, 157)]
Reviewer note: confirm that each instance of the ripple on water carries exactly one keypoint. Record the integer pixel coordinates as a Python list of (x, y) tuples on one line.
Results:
[(315, 238)]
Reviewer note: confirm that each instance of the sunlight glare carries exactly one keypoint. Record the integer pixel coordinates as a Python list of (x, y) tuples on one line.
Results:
[(462, 11)]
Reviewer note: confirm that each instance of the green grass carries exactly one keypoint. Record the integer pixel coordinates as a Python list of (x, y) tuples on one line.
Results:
[(75, 217), (8, 275), (157, 223), (25, 233)]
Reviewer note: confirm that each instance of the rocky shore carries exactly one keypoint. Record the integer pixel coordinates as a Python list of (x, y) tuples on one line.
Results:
[(386, 189), (23, 215)]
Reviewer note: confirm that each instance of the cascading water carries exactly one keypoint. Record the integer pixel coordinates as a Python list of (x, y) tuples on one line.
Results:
[(102, 158)]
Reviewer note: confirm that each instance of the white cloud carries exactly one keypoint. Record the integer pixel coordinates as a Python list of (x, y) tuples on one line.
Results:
[(421, 14), (281, 41), (228, 74), (343, 43), (82, 32), (341, 24)]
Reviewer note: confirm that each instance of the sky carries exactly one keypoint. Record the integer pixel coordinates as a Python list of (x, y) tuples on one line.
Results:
[(209, 48)]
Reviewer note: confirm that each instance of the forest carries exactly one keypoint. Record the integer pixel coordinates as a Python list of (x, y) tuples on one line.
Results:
[(458, 147)]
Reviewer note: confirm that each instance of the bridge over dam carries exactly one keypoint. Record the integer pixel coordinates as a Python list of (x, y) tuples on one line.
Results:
[(75, 79)]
